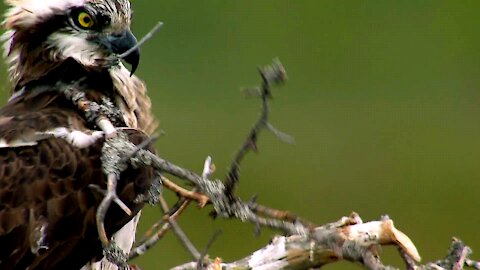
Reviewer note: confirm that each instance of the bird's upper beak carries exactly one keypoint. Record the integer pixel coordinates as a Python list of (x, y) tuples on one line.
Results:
[(121, 43)]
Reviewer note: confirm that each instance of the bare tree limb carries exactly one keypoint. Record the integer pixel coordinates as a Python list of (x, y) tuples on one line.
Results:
[(153, 235), (179, 232), (344, 239), (304, 246), (189, 194), (271, 75), (214, 237)]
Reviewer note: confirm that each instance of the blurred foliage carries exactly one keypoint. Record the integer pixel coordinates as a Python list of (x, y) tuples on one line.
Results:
[(383, 100)]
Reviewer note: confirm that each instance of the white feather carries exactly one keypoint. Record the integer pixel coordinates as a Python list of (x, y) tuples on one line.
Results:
[(75, 46), (124, 239), (27, 12), (75, 137), (16, 143)]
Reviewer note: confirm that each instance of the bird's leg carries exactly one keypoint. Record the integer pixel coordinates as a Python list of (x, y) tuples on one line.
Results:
[(97, 114)]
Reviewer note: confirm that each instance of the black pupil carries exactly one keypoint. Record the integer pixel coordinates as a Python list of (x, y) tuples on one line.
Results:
[(86, 19)]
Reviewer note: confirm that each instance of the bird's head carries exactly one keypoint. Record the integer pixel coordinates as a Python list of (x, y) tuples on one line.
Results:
[(41, 34)]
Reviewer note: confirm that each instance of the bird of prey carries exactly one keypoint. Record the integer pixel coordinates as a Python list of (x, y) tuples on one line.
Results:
[(50, 150)]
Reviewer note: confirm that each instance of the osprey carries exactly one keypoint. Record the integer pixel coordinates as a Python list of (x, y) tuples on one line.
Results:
[(49, 150)]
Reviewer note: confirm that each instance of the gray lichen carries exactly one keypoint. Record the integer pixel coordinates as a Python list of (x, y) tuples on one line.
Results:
[(115, 254), (152, 196), (114, 150)]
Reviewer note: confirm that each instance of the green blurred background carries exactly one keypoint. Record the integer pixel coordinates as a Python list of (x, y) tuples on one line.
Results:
[(383, 100)]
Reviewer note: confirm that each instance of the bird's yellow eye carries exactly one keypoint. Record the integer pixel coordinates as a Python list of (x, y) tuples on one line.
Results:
[(85, 20)]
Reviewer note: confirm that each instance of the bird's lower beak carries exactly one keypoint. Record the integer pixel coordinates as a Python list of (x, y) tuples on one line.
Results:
[(124, 45)]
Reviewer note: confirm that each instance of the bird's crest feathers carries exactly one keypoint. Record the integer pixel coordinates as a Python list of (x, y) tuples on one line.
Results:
[(25, 13)]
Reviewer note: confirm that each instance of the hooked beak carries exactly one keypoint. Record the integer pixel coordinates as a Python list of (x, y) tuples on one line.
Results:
[(124, 46)]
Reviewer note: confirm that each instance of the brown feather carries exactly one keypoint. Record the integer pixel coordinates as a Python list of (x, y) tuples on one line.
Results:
[(47, 210)]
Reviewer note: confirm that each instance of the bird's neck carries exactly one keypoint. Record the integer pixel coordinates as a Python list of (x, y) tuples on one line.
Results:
[(127, 92), (133, 100)]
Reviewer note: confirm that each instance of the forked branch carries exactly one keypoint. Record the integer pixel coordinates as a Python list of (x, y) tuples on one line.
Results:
[(304, 244), (271, 75)]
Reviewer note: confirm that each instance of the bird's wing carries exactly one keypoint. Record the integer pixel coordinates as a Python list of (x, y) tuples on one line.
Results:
[(47, 209)]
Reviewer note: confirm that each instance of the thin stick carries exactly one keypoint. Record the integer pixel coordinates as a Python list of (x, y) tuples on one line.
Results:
[(143, 145), (207, 247), (191, 195), (103, 208), (180, 233), (145, 38), (151, 237), (473, 264), (279, 214), (116, 199), (275, 74)]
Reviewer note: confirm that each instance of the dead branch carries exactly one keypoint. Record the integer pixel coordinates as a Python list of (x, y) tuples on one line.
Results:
[(304, 246), (180, 233), (158, 230), (271, 75), (188, 194), (332, 242), (345, 239), (307, 246)]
